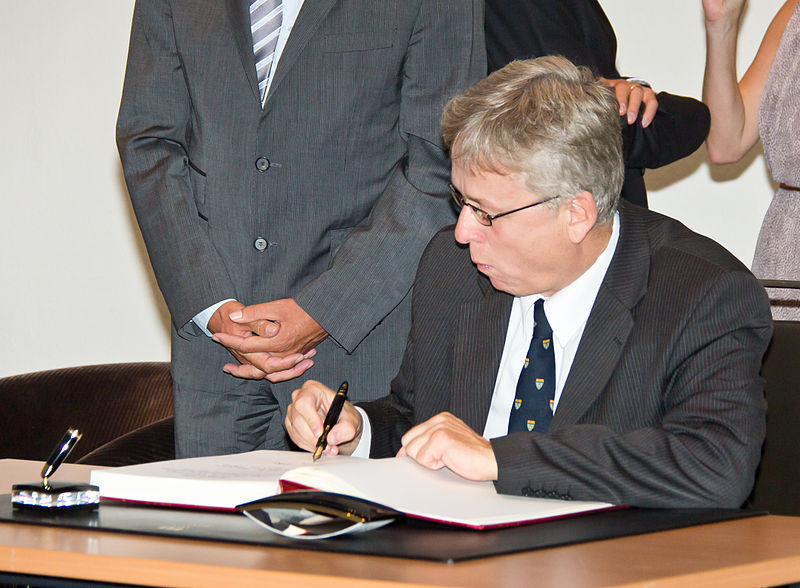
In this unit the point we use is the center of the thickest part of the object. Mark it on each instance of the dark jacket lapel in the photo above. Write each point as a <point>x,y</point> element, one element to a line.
<point>478,347</point>
<point>610,321</point>
<point>308,22</point>
<point>239,15</point>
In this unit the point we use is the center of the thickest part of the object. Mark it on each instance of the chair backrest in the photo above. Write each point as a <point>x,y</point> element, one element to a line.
<point>103,401</point>
<point>153,442</point>
<point>777,487</point>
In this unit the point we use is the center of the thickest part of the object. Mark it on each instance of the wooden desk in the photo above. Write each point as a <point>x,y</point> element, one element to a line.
<point>747,552</point>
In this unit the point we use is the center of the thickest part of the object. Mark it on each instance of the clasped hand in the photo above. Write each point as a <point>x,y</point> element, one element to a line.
<point>441,441</point>
<point>274,340</point>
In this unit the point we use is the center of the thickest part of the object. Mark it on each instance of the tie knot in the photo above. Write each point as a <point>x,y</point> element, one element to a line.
<point>541,328</point>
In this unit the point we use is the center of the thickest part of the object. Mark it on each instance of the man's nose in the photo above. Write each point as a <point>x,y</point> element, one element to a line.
<point>467,226</point>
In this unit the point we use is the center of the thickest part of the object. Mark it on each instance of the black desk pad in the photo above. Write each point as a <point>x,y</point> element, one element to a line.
<point>407,538</point>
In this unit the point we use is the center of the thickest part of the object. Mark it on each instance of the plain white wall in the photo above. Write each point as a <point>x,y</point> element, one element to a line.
<point>77,287</point>
<point>76,284</point>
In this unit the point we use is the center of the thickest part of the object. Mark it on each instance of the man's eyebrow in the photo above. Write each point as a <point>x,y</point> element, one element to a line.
<point>480,203</point>
<point>470,199</point>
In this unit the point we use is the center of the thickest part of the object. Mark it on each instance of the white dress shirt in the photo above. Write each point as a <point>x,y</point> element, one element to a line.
<point>567,312</point>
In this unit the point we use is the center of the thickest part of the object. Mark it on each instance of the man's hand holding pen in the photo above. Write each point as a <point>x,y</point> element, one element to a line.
<point>441,441</point>
<point>305,419</point>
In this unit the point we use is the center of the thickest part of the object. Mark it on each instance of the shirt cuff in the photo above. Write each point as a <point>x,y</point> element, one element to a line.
<point>363,447</point>
<point>201,318</point>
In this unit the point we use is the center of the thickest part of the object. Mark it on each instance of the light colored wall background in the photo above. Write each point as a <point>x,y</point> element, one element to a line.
<point>664,42</point>
<point>75,284</point>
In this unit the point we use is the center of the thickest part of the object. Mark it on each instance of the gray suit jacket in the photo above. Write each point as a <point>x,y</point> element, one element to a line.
<point>342,174</point>
<point>663,405</point>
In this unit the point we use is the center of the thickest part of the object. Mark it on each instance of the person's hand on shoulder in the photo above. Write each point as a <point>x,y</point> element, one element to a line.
<point>631,95</point>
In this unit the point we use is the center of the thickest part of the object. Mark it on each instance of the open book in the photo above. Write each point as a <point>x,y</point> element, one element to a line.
<point>398,483</point>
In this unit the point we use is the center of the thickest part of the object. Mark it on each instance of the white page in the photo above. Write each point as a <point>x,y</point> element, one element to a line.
<point>222,481</point>
<point>441,495</point>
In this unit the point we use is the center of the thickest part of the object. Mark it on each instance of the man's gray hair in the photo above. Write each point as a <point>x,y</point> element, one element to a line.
<point>547,120</point>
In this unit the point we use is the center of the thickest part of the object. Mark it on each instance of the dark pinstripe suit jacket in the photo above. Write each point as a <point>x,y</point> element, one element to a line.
<point>663,405</point>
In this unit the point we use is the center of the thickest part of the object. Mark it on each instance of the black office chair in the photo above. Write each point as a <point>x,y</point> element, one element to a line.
<point>777,487</point>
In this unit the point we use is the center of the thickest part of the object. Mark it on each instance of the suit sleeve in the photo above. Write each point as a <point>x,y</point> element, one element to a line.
<point>391,416</point>
<point>152,129</point>
<point>703,452</point>
<point>374,268</point>
<point>678,129</point>
<point>428,354</point>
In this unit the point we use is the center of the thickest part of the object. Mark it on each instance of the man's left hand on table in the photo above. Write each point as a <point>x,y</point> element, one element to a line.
<point>446,441</point>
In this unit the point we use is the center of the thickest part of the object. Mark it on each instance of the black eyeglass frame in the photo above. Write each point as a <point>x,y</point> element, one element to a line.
<point>481,215</point>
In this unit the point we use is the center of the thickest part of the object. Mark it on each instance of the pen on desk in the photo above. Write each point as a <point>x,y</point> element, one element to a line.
<point>59,454</point>
<point>331,419</point>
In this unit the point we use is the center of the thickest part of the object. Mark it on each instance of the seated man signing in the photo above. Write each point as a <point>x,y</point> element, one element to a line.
<point>562,344</point>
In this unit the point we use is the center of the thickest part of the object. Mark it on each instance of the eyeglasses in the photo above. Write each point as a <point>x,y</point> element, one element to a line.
<point>484,217</point>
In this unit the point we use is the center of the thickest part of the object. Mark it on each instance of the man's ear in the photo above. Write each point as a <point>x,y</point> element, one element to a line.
<point>582,216</point>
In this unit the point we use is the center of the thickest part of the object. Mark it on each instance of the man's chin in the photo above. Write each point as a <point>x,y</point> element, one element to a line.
<point>501,286</point>
<point>496,283</point>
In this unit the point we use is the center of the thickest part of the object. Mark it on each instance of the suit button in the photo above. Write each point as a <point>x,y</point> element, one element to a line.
<point>260,244</point>
<point>262,164</point>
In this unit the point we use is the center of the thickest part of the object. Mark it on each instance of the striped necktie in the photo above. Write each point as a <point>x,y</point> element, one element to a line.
<point>266,17</point>
<point>533,402</point>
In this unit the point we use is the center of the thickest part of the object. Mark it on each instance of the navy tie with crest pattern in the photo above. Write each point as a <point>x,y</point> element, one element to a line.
<point>532,409</point>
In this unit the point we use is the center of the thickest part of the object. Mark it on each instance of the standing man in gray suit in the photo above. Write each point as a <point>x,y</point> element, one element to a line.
<point>288,154</point>
<point>598,352</point>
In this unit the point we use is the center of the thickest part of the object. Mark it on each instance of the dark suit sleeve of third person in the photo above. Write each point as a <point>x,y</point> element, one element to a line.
<point>678,129</point>
<point>374,268</point>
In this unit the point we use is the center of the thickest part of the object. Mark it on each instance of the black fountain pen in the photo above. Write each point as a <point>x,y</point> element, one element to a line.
<point>331,419</point>
<point>59,454</point>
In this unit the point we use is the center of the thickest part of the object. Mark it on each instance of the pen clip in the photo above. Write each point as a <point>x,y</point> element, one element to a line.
<point>59,454</point>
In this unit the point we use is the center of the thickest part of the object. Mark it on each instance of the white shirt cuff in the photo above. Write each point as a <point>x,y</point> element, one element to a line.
<point>364,444</point>
<point>201,318</point>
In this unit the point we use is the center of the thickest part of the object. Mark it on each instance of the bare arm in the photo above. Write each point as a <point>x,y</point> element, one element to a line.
<point>734,106</point>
